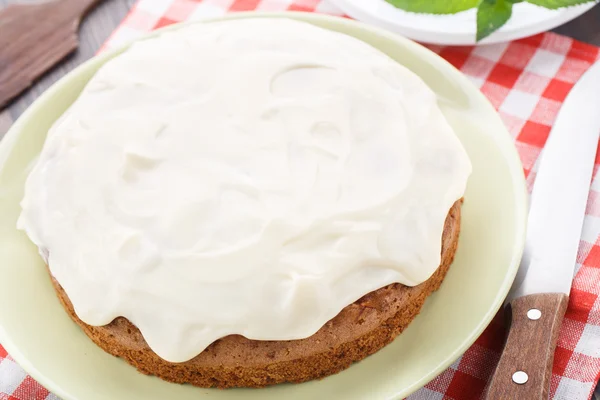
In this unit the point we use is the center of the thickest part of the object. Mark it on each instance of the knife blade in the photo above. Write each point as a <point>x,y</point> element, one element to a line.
<point>539,296</point>
<point>560,193</point>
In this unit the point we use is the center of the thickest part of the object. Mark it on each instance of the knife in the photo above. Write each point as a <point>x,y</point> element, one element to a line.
<point>539,296</point>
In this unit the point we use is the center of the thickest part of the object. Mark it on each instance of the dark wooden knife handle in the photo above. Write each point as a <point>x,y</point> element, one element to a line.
<point>535,322</point>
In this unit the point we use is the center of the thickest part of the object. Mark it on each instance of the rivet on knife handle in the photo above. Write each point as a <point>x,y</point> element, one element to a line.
<point>525,368</point>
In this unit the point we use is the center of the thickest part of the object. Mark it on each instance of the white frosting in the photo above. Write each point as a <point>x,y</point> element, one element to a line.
<point>247,177</point>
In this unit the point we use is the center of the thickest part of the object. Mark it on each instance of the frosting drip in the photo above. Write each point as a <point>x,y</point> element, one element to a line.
<point>247,177</point>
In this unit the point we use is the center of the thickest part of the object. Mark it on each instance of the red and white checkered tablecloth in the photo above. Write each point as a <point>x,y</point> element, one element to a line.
<point>527,81</point>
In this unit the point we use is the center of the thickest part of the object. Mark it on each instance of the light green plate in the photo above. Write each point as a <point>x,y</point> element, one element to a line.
<point>37,332</point>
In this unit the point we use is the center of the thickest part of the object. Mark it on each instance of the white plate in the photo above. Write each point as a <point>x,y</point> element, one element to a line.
<point>39,335</point>
<point>457,29</point>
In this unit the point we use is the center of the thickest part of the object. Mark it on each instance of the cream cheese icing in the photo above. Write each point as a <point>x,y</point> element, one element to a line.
<point>248,177</point>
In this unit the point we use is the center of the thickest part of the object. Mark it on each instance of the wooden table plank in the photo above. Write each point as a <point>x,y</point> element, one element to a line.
<point>586,28</point>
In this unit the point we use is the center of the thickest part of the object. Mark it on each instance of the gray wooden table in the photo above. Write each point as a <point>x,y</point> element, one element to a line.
<point>104,19</point>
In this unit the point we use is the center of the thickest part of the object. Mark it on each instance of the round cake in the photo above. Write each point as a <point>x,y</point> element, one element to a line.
<point>247,202</point>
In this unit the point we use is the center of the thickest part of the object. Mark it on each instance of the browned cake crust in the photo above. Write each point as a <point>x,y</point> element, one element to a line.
<point>360,329</point>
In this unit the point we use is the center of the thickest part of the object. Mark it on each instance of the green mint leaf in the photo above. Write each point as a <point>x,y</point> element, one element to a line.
<point>434,6</point>
<point>491,15</point>
<point>554,4</point>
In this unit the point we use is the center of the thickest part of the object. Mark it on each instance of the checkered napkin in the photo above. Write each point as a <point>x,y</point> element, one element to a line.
<point>527,81</point>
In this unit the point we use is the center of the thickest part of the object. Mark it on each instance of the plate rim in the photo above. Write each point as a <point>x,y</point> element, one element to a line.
<point>504,143</point>
<point>460,39</point>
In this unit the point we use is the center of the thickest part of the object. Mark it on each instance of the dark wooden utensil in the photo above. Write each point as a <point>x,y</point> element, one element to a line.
<point>535,324</point>
<point>33,38</point>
